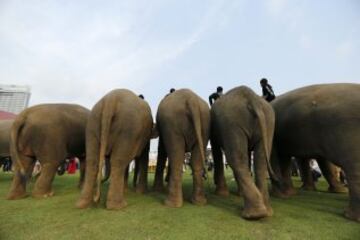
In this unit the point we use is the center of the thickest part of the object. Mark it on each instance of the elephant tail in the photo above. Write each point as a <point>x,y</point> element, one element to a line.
<point>16,128</point>
<point>196,119</point>
<point>266,138</point>
<point>106,118</point>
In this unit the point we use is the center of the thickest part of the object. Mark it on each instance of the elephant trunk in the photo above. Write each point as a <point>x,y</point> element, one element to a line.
<point>105,123</point>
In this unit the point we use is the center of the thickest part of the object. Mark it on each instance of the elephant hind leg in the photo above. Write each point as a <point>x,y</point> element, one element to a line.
<point>91,170</point>
<point>18,185</point>
<point>43,183</point>
<point>254,207</point>
<point>143,162</point>
<point>353,175</point>
<point>219,176</point>
<point>119,161</point>
<point>306,175</point>
<point>261,175</point>
<point>288,187</point>
<point>115,197</point>
<point>176,160</point>
<point>198,196</point>
<point>330,173</point>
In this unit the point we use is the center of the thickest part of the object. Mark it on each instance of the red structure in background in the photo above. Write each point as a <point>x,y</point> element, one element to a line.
<point>72,166</point>
<point>7,115</point>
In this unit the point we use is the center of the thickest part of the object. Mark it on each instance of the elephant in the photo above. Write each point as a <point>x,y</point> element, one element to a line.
<point>49,133</point>
<point>241,122</point>
<point>5,126</point>
<point>328,170</point>
<point>119,128</point>
<point>322,122</point>
<point>183,124</point>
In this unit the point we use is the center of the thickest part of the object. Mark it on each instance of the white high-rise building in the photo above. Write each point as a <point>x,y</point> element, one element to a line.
<point>14,98</point>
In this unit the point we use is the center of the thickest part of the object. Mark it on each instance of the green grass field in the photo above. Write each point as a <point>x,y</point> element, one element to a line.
<point>309,215</point>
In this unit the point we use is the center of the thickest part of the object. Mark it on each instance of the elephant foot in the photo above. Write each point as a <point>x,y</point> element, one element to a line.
<point>16,195</point>
<point>255,213</point>
<point>115,205</point>
<point>222,191</point>
<point>173,203</point>
<point>83,203</point>
<point>308,187</point>
<point>43,195</point>
<point>199,200</point>
<point>338,189</point>
<point>352,214</point>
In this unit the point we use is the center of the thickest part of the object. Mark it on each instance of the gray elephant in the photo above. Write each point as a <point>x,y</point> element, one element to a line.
<point>242,121</point>
<point>321,122</point>
<point>5,127</point>
<point>49,133</point>
<point>183,123</point>
<point>119,128</point>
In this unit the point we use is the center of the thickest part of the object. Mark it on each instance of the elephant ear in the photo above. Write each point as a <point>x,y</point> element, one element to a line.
<point>154,132</point>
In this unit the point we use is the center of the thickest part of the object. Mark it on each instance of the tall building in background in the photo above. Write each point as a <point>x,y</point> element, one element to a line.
<point>14,98</point>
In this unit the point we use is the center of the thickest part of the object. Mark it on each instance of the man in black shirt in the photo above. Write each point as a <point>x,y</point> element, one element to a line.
<point>268,93</point>
<point>213,97</point>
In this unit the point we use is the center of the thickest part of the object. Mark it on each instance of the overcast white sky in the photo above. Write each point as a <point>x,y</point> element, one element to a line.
<point>77,51</point>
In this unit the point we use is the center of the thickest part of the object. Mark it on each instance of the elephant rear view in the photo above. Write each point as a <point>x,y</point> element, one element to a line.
<point>49,133</point>
<point>183,121</point>
<point>242,121</point>
<point>119,127</point>
<point>322,122</point>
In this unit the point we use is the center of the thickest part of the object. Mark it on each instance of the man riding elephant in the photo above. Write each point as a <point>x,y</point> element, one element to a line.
<point>49,133</point>
<point>322,122</point>
<point>241,122</point>
<point>119,128</point>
